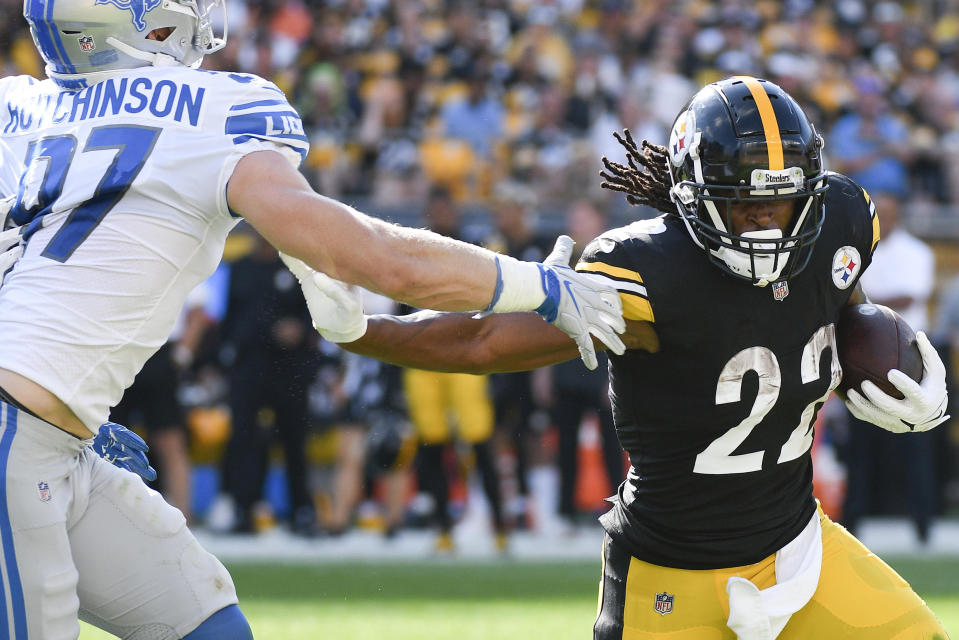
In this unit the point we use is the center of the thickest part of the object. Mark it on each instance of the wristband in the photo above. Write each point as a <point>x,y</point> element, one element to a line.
<point>519,286</point>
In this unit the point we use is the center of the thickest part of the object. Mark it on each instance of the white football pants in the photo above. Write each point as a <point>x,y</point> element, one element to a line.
<point>80,538</point>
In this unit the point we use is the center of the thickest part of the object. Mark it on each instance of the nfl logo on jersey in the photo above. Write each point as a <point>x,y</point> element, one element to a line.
<point>86,43</point>
<point>664,603</point>
<point>780,290</point>
<point>44,489</point>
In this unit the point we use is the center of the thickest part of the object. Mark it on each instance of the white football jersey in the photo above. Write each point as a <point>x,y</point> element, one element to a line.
<point>123,196</point>
<point>10,170</point>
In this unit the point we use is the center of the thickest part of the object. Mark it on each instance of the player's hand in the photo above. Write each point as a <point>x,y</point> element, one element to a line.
<point>580,304</point>
<point>336,310</point>
<point>122,448</point>
<point>924,404</point>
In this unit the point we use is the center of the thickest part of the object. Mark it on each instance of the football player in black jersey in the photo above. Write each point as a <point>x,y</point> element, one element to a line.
<point>733,295</point>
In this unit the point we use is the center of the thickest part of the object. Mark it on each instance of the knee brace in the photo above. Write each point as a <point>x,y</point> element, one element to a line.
<point>228,622</point>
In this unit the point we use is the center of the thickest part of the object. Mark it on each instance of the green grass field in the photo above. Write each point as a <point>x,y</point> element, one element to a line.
<point>465,601</point>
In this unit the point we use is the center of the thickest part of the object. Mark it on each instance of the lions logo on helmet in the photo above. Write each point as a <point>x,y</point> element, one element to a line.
<point>112,35</point>
<point>138,8</point>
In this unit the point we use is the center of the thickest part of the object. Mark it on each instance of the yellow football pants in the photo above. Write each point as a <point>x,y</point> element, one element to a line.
<point>859,597</point>
<point>434,399</point>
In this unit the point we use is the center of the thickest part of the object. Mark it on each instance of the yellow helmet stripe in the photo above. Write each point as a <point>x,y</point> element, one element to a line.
<point>774,144</point>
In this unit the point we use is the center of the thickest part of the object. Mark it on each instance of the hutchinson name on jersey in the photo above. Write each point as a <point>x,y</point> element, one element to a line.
<point>123,202</point>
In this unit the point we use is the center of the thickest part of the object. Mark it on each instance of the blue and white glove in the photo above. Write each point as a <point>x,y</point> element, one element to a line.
<point>924,404</point>
<point>581,304</point>
<point>122,448</point>
<point>336,309</point>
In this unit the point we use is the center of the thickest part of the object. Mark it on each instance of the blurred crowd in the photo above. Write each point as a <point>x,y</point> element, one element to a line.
<point>399,95</point>
<point>486,120</point>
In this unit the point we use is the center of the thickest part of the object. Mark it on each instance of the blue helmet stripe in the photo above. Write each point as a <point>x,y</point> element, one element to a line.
<point>64,60</point>
<point>40,13</point>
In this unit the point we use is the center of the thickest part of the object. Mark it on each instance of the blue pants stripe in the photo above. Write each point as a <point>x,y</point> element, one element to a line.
<point>6,533</point>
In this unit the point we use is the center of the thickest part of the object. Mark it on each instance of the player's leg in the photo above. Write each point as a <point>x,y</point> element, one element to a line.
<point>642,600</point>
<point>348,477</point>
<point>474,417</point>
<point>164,419</point>
<point>470,401</point>
<point>567,415</point>
<point>860,597</point>
<point>38,579</point>
<point>291,406</point>
<point>142,572</point>
<point>245,458</point>
<point>427,400</point>
<point>228,622</point>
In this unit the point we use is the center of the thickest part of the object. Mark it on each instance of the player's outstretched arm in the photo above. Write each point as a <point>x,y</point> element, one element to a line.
<point>454,342</point>
<point>460,342</point>
<point>416,266</point>
<point>412,265</point>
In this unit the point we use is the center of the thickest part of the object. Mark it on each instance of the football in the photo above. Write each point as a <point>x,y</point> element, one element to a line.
<point>872,339</point>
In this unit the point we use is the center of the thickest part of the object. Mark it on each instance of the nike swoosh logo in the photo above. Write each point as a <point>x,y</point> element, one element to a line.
<point>569,290</point>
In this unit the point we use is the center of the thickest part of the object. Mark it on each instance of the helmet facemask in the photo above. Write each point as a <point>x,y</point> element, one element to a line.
<point>743,141</point>
<point>758,256</point>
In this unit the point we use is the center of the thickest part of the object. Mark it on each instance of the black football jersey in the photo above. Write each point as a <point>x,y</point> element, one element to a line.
<point>718,422</point>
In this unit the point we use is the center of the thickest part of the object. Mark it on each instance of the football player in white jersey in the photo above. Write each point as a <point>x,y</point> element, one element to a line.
<point>136,165</point>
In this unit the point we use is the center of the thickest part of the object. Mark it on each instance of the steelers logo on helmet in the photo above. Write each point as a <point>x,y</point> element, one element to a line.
<point>752,144</point>
<point>682,137</point>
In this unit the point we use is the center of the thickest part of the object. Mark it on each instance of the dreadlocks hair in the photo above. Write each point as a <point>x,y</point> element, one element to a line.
<point>645,180</point>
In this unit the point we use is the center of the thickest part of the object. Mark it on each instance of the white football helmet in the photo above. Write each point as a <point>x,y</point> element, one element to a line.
<point>85,40</point>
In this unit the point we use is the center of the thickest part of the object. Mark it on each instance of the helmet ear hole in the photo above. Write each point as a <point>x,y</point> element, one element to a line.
<point>160,33</point>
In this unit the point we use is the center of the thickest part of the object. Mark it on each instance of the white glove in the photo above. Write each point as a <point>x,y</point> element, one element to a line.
<point>924,405</point>
<point>581,304</point>
<point>336,310</point>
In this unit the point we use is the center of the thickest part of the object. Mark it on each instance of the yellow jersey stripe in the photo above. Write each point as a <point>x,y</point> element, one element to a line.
<point>774,144</point>
<point>875,218</point>
<point>610,270</point>
<point>636,307</point>
<point>875,227</point>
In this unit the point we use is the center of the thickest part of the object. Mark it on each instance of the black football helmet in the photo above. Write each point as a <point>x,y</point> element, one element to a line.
<point>746,140</point>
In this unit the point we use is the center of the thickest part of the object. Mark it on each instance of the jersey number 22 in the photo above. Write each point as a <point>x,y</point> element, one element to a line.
<point>718,457</point>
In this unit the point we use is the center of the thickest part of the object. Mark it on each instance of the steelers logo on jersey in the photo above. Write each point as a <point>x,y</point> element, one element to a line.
<point>846,263</point>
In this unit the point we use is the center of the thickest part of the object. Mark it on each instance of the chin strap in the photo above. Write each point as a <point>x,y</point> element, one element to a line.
<point>155,59</point>
<point>82,80</point>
